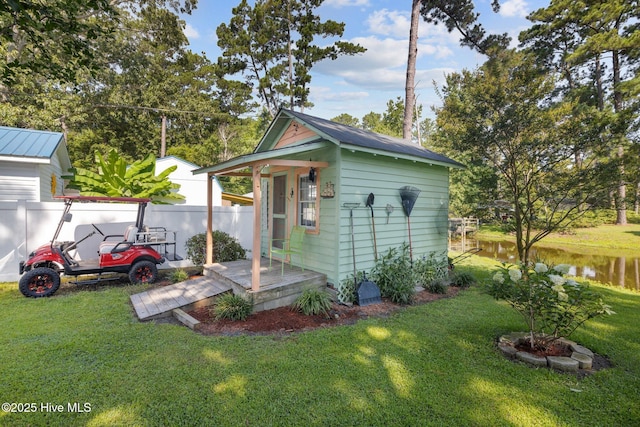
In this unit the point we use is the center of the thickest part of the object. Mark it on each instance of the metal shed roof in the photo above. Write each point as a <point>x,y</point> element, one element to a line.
<point>347,135</point>
<point>16,142</point>
<point>329,132</point>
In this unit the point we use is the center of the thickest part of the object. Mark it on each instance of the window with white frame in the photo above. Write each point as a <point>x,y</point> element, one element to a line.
<point>307,193</point>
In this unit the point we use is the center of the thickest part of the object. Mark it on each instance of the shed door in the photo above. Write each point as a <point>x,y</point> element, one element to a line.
<point>279,217</point>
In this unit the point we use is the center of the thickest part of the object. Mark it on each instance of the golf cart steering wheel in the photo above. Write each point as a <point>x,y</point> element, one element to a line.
<point>97,229</point>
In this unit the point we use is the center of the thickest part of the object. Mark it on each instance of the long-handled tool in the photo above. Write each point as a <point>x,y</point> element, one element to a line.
<point>408,195</point>
<point>366,291</point>
<point>373,223</point>
<point>351,207</point>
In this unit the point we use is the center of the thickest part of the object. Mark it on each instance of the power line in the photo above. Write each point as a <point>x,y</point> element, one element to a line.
<point>154,109</point>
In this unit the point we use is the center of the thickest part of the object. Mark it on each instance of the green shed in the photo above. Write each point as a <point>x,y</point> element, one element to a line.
<point>307,170</point>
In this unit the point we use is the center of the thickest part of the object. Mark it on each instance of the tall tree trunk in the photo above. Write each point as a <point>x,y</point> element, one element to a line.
<point>621,202</point>
<point>598,79</point>
<point>409,98</point>
<point>290,53</point>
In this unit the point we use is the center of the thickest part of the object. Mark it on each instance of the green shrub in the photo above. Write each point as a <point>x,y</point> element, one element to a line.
<point>178,275</point>
<point>313,301</point>
<point>462,279</point>
<point>225,248</point>
<point>594,218</point>
<point>232,307</point>
<point>551,305</point>
<point>394,276</point>
<point>431,268</point>
<point>437,286</point>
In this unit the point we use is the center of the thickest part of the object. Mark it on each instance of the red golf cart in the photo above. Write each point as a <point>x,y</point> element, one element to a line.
<point>135,252</point>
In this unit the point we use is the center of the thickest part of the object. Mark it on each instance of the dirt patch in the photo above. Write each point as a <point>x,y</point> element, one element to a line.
<point>555,349</point>
<point>284,320</point>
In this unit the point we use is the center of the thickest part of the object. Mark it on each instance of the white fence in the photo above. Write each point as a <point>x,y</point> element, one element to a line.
<point>24,226</point>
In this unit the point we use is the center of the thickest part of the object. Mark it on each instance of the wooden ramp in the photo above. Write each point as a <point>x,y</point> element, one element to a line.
<point>160,302</point>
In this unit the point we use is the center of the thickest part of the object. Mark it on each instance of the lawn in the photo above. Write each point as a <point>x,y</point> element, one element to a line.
<point>433,364</point>
<point>604,236</point>
<point>624,239</point>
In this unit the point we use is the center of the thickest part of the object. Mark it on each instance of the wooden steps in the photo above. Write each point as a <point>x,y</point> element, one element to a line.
<point>276,289</point>
<point>187,295</point>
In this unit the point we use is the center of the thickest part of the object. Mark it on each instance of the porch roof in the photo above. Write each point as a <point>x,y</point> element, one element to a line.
<point>242,162</point>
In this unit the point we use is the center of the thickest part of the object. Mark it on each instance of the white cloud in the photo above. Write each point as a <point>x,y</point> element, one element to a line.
<point>345,3</point>
<point>439,51</point>
<point>321,94</point>
<point>382,66</point>
<point>397,24</point>
<point>389,23</point>
<point>191,32</point>
<point>511,8</point>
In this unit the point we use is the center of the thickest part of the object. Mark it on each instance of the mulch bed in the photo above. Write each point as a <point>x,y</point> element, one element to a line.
<point>284,320</point>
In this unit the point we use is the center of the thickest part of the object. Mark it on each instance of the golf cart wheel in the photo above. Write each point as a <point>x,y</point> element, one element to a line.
<point>143,272</point>
<point>39,282</point>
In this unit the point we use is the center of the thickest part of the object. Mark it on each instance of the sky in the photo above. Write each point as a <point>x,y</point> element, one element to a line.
<point>360,84</point>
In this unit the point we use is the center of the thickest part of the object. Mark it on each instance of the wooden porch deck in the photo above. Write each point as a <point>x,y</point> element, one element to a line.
<point>276,290</point>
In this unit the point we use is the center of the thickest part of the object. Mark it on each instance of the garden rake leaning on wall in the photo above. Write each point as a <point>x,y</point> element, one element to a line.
<point>408,195</point>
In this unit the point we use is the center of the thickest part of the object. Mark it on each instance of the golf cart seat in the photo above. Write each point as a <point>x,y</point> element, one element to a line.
<point>128,238</point>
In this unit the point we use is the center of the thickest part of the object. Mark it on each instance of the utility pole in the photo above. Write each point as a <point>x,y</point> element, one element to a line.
<point>163,136</point>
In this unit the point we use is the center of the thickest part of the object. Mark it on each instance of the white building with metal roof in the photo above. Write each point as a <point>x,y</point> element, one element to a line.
<point>32,163</point>
<point>192,187</point>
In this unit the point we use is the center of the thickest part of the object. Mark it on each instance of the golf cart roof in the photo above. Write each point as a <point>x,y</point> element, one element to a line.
<point>104,199</point>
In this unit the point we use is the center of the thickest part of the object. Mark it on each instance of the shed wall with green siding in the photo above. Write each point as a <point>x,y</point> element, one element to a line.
<point>363,173</point>
<point>355,175</point>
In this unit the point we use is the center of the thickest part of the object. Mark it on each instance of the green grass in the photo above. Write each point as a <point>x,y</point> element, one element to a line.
<point>433,364</point>
<point>625,240</point>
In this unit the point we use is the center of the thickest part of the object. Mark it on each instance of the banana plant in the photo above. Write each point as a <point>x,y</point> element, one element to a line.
<point>117,179</point>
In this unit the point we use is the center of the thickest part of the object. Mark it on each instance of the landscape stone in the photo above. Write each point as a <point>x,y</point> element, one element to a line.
<point>531,359</point>
<point>507,350</point>
<point>585,361</point>
<point>581,357</point>
<point>580,349</point>
<point>565,364</point>
<point>566,341</point>
<point>512,338</point>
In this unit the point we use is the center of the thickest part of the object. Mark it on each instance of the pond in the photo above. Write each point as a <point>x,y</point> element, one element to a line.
<point>608,268</point>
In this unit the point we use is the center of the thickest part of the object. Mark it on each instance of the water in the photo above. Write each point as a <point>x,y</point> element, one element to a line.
<point>607,268</point>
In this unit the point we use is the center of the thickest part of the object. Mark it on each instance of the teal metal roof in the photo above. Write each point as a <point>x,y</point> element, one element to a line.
<point>16,142</point>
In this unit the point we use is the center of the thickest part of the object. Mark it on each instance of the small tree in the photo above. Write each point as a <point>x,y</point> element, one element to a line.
<point>551,305</point>
<point>505,116</point>
<point>116,179</point>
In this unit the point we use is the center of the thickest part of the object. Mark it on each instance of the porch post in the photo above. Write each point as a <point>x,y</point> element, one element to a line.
<point>255,254</point>
<point>209,257</point>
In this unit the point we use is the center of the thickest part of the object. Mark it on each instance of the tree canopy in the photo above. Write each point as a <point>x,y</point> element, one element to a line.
<point>272,46</point>
<point>505,115</point>
<point>592,48</point>
<point>54,39</point>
